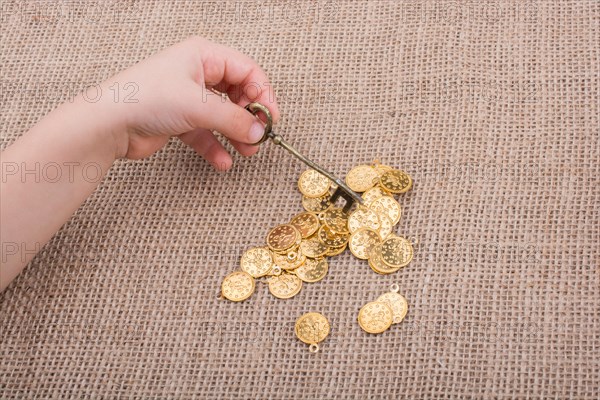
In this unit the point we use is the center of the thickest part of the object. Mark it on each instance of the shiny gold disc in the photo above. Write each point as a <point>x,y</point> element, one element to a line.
<point>386,226</point>
<point>362,241</point>
<point>362,178</point>
<point>238,286</point>
<point>396,181</point>
<point>285,285</point>
<point>336,219</point>
<point>256,261</point>
<point>313,247</point>
<point>289,261</point>
<point>363,218</point>
<point>381,169</point>
<point>387,205</point>
<point>330,238</point>
<point>377,265</point>
<point>396,251</point>
<point>307,224</point>
<point>373,194</point>
<point>312,328</point>
<point>397,303</point>
<point>313,184</point>
<point>283,237</point>
<point>312,270</point>
<point>317,204</point>
<point>375,317</point>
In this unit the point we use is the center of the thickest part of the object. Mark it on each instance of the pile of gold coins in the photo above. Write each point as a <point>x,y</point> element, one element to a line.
<point>297,252</point>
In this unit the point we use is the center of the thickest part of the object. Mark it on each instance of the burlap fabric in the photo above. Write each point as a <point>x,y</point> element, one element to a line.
<point>492,107</point>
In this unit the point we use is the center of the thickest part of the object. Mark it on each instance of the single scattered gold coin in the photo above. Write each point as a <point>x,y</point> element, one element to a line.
<point>285,285</point>
<point>386,226</point>
<point>363,218</point>
<point>336,220</point>
<point>289,261</point>
<point>331,239</point>
<point>362,241</point>
<point>312,270</point>
<point>317,204</point>
<point>362,178</point>
<point>313,184</point>
<point>377,265</point>
<point>313,247</point>
<point>397,303</point>
<point>387,205</point>
<point>307,224</point>
<point>256,261</point>
<point>375,317</point>
<point>238,286</point>
<point>283,237</point>
<point>396,251</point>
<point>312,328</point>
<point>396,181</point>
<point>373,194</point>
<point>334,251</point>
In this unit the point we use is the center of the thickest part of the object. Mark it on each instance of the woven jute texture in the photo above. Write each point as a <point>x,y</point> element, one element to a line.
<point>492,107</point>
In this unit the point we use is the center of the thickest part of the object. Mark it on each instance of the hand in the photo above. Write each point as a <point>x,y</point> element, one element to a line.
<point>175,97</point>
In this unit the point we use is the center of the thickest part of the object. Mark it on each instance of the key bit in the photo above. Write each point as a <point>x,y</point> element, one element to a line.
<point>343,191</point>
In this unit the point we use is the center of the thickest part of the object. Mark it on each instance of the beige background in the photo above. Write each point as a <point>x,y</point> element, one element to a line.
<point>493,109</point>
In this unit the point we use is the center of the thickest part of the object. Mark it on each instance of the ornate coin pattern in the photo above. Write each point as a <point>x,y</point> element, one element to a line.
<point>388,206</point>
<point>307,224</point>
<point>330,238</point>
<point>396,181</point>
<point>317,204</point>
<point>363,218</point>
<point>313,184</point>
<point>362,178</point>
<point>312,270</point>
<point>285,286</point>
<point>377,265</point>
<point>312,328</point>
<point>396,251</point>
<point>257,262</point>
<point>336,220</point>
<point>397,303</point>
<point>283,237</point>
<point>385,226</point>
<point>313,247</point>
<point>289,261</point>
<point>238,286</point>
<point>373,194</point>
<point>375,317</point>
<point>362,242</point>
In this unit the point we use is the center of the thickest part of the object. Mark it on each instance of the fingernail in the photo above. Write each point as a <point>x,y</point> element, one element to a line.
<point>256,132</point>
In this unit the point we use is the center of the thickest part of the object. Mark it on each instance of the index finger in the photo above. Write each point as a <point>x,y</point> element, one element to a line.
<point>236,74</point>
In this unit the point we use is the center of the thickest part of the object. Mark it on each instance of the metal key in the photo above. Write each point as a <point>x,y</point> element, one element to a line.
<point>342,189</point>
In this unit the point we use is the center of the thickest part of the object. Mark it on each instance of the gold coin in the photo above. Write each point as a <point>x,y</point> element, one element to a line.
<point>396,251</point>
<point>238,286</point>
<point>317,204</point>
<point>312,270</point>
<point>386,226</point>
<point>285,285</point>
<point>289,261</point>
<point>375,317</point>
<point>330,238</point>
<point>312,328</point>
<point>313,184</point>
<point>336,219</point>
<point>283,237</point>
<point>256,261</point>
<point>397,303</point>
<point>307,224</point>
<point>363,218</point>
<point>362,178</point>
<point>362,241</point>
<point>313,247</point>
<point>373,194</point>
<point>377,265</point>
<point>334,251</point>
<point>387,205</point>
<point>396,181</point>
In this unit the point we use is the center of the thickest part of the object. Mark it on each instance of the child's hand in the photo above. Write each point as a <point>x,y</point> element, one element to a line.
<point>174,99</point>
